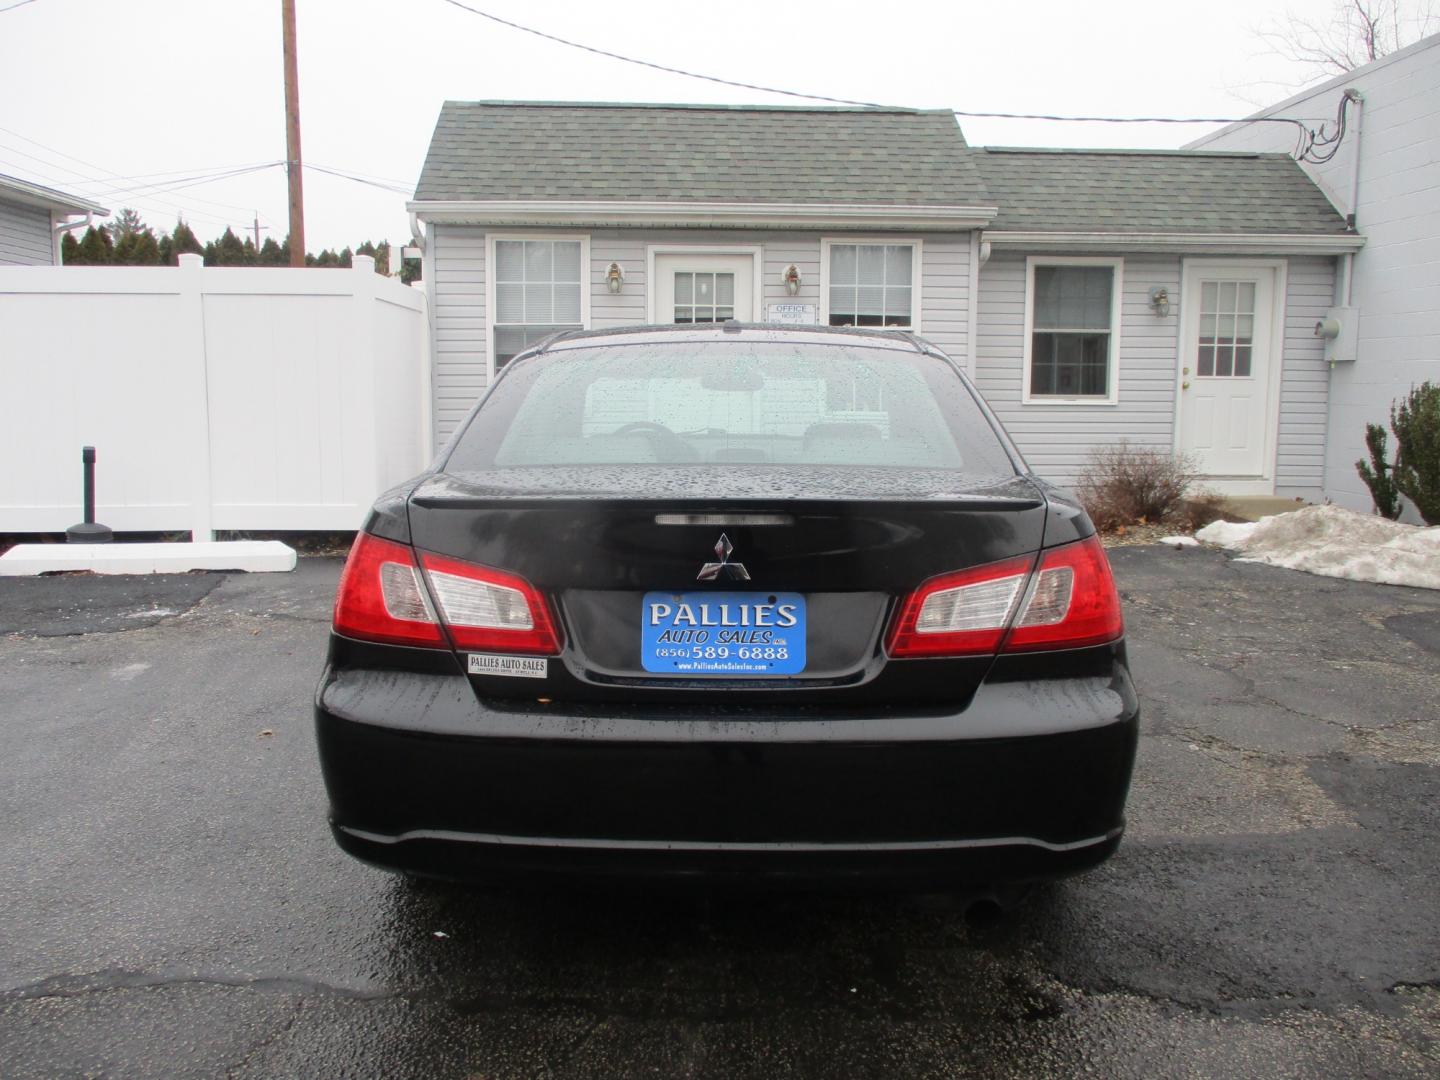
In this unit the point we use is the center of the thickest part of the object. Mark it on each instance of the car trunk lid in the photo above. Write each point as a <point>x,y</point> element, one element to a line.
<point>606,546</point>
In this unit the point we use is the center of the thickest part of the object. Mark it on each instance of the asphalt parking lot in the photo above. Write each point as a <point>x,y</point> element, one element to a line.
<point>171,904</point>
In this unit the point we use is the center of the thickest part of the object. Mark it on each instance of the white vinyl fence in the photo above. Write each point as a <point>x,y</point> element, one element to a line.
<point>216,397</point>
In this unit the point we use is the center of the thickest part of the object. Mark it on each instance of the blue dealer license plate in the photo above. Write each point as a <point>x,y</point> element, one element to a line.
<point>752,634</point>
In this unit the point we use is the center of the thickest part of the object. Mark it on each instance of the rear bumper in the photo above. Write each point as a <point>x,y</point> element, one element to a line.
<point>1028,783</point>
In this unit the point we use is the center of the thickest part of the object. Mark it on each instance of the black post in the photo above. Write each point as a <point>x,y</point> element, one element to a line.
<point>87,532</point>
<point>87,457</point>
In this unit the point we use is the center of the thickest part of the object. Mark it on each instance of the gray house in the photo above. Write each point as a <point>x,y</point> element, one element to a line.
<point>1167,298</point>
<point>33,219</point>
<point>1387,173</point>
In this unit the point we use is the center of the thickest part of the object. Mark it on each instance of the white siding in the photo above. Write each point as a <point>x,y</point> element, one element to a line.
<point>1057,439</point>
<point>1304,380</point>
<point>1397,273</point>
<point>458,253</point>
<point>25,238</point>
<point>458,293</point>
<point>945,307</point>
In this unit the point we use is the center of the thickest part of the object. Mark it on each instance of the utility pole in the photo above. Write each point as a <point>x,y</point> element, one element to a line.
<point>256,226</point>
<point>292,137</point>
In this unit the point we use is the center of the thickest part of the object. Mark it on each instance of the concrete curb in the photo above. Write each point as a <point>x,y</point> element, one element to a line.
<point>254,556</point>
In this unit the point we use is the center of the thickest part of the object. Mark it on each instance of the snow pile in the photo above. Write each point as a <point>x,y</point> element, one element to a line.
<point>1334,542</point>
<point>1179,541</point>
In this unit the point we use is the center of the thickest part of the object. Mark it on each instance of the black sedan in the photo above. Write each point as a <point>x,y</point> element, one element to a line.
<point>736,601</point>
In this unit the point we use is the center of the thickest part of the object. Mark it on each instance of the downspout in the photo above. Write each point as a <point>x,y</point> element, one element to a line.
<point>1352,218</point>
<point>428,287</point>
<point>979,255</point>
<point>1345,277</point>
<point>69,226</point>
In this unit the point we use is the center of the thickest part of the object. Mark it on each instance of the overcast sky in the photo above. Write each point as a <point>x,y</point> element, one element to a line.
<point>163,91</point>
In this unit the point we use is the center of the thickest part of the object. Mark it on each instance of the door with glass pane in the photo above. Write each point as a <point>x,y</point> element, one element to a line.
<point>703,288</point>
<point>1225,407</point>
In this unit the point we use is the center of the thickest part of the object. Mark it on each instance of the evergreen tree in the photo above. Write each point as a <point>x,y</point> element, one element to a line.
<point>137,248</point>
<point>69,249</point>
<point>272,254</point>
<point>226,251</point>
<point>347,258</point>
<point>183,241</point>
<point>95,249</point>
<point>252,257</point>
<point>124,225</point>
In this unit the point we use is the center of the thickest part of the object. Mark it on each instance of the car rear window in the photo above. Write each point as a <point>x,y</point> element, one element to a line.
<point>676,403</point>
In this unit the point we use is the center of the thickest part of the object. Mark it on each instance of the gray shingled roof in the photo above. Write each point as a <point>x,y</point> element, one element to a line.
<point>1178,191</point>
<point>488,150</point>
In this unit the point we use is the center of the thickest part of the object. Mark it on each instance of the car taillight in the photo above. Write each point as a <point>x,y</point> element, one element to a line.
<point>489,609</point>
<point>382,598</point>
<point>960,614</point>
<point>1072,602</point>
<point>1069,601</point>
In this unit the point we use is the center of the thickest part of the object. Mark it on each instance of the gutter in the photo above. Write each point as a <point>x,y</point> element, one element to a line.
<point>1186,243</point>
<point>670,214</point>
<point>70,226</point>
<point>57,234</point>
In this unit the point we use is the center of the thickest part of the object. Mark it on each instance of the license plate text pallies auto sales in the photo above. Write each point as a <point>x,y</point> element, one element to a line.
<point>751,634</point>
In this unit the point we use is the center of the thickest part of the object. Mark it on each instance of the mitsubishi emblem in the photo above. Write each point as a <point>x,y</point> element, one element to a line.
<point>712,570</point>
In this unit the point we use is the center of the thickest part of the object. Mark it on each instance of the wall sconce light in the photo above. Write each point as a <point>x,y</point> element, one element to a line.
<point>614,277</point>
<point>1160,300</point>
<point>791,278</point>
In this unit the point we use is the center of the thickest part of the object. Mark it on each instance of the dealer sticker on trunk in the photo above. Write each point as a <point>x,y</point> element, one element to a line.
<point>526,667</point>
<point>752,634</point>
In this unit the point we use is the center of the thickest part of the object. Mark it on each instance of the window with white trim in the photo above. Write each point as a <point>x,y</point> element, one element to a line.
<point>537,292</point>
<point>1073,314</point>
<point>872,284</point>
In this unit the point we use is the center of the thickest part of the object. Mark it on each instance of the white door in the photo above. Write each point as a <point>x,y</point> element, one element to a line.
<point>1225,411</point>
<point>704,288</point>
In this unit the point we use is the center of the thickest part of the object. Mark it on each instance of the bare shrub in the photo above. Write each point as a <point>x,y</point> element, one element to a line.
<point>1134,485</point>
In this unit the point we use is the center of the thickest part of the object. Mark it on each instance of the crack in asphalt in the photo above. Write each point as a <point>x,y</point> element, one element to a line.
<point>270,1039</point>
<point>142,624</point>
<point>111,979</point>
<point>1045,996</point>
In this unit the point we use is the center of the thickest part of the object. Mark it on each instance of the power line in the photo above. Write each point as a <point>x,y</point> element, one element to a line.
<point>407,185</point>
<point>848,101</point>
<point>156,209</point>
<point>396,188</point>
<point>654,66</point>
<point>107,173</point>
<point>166,172</point>
<point>12,7</point>
<point>159,207</point>
<point>193,181</point>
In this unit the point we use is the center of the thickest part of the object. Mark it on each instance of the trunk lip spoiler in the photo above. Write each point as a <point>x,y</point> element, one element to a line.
<point>740,507</point>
